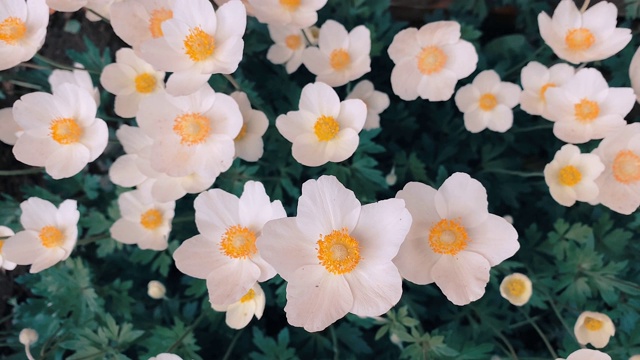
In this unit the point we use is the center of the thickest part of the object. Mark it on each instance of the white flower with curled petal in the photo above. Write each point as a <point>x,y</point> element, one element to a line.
<point>594,328</point>
<point>571,176</point>
<point>5,233</point>
<point>240,313</point>
<point>298,13</point>
<point>61,131</point>
<point>49,234</point>
<point>487,103</point>
<point>516,288</point>
<point>198,41</point>
<point>634,73</point>
<point>588,354</point>
<point>324,129</point>
<point>23,26</point>
<point>136,21</point>
<point>582,37</point>
<point>376,102</point>
<point>332,250</point>
<point>78,77</point>
<point>131,79</point>
<point>536,79</point>
<point>586,108</point>
<point>341,56</point>
<point>430,61</point>
<point>225,253</point>
<point>249,144</point>
<point>288,48</point>
<point>9,128</point>
<point>454,240</point>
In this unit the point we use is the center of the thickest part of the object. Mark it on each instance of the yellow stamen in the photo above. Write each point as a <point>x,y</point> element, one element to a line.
<point>448,237</point>
<point>626,167</point>
<point>516,287</point>
<point>193,128</point>
<point>12,30</point>
<point>569,176</point>
<point>431,60</point>
<point>291,5</point>
<point>199,45</point>
<point>158,16</point>
<point>145,83</point>
<point>242,133</point>
<point>1,245</point>
<point>579,39</point>
<point>51,236</point>
<point>151,219</point>
<point>544,89</point>
<point>293,42</point>
<point>593,324</point>
<point>339,59</point>
<point>238,242</point>
<point>250,295</point>
<point>65,131</point>
<point>488,101</point>
<point>338,252</point>
<point>586,111</point>
<point>326,128</point>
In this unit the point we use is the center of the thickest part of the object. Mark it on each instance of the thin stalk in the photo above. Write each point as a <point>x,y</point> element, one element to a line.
<point>559,316</point>
<point>539,331</point>
<point>585,5</point>
<point>507,343</point>
<point>98,15</point>
<point>60,65</point>
<point>227,354</point>
<point>25,84</point>
<point>334,341</point>
<point>176,344</point>
<point>232,81</point>
<point>519,66</point>
<point>92,239</point>
<point>27,350</point>
<point>515,173</point>
<point>533,128</point>
<point>29,171</point>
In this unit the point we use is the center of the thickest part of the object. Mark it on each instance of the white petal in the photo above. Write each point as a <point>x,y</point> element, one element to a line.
<point>462,278</point>
<point>462,197</point>
<point>495,239</point>
<point>376,287</point>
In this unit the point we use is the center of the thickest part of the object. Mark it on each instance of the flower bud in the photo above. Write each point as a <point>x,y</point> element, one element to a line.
<point>28,336</point>
<point>391,178</point>
<point>156,290</point>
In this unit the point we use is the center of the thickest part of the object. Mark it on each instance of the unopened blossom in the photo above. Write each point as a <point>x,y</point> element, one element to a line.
<point>249,144</point>
<point>587,354</point>
<point>619,184</point>
<point>131,79</point>
<point>582,37</point>
<point>5,233</point>
<point>9,128</point>
<point>571,176</point>
<point>324,129</point>
<point>49,234</point>
<point>145,221</point>
<point>516,288</point>
<point>536,79</point>
<point>332,250</point>
<point>454,240</point>
<point>634,73</point>
<point>78,77</point>
<point>487,103</point>
<point>225,252</point>
<point>156,289</point>
<point>594,328</point>
<point>586,108</point>
<point>288,48</point>
<point>429,61</point>
<point>136,21</point>
<point>299,13</point>
<point>61,131</point>
<point>341,56</point>
<point>166,356</point>
<point>23,26</point>
<point>376,102</point>
<point>240,313</point>
<point>197,42</point>
<point>28,337</point>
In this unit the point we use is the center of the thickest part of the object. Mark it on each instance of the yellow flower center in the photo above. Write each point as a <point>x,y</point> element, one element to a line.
<point>586,111</point>
<point>579,39</point>
<point>65,131</point>
<point>626,167</point>
<point>569,175</point>
<point>431,60</point>
<point>145,83</point>
<point>12,30</point>
<point>291,5</point>
<point>151,219</point>
<point>339,59</point>
<point>250,295</point>
<point>592,324</point>
<point>199,45</point>
<point>242,133</point>
<point>293,42</point>
<point>326,128</point>
<point>448,237</point>
<point>338,252</point>
<point>487,102</point>
<point>193,128</point>
<point>516,287</point>
<point>544,89</point>
<point>51,236</point>
<point>238,242</point>
<point>158,16</point>
<point>1,245</point>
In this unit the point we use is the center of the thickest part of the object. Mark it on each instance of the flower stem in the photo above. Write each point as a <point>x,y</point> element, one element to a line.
<point>334,341</point>
<point>176,344</point>
<point>29,171</point>
<point>585,5</point>
<point>227,354</point>
<point>98,15</point>
<point>58,65</point>
<point>515,173</point>
<point>533,128</point>
<point>539,331</point>
<point>232,81</point>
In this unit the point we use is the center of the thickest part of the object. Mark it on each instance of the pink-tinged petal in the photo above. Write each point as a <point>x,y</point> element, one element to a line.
<point>462,278</point>
<point>343,145</point>
<point>495,239</point>
<point>464,198</point>
<point>95,138</point>
<point>68,214</point>
<point>162,56</point>
<point>9,128</point>
<point>254,206</point>
<point>467,98</point>
<point>231,281</point>
<point>232,20</point>
<point>35,110</point>
<point>23,248</point>
<point>501,119</point>
<point>266,270</point>
<point>476,120</point>
<point>304,18</point>
<point>487,81</point>
<point>419,199</point>
<point>567,16</point>
<point>534,75</point>
<point>197,257</point>
<point>618,39</point>
<point>316,298</point>
<point>216,210</point>
<point>416,259</point>
<point>186,83</point>
<point>199,13</point>
<point>118,79</point>
<point>37,213</point>
<point>294,63</point>
<point>124,172</point>
<point>250,148</point>
<point>462,58</point>
<point>509,94</point>
<point>309,151</point>
<point>405,78</point>
<point>279,54</point>
<point>226,116</point>
<point>404,45</point>
<point>295,123</point>
<point>126,106</point>
<point>47,260</point>
<point>34,151</point>
<point>317,62</point>
<point>439,86</point>
<point>166,189</point>
<point>320,99</point>
<point>618,101</point>
<point>353,113</point>
<point>239,314</point>
<point>439,33</point>
<point>376,287</point>
<point>360,41</point>
<point>67,161</point>
<point>571,132</point>
<point>333,35</point>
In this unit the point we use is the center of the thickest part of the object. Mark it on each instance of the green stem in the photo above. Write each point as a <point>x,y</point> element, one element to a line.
<point>227,354</point>
<point>533,128</point>
<point>539,331</point>
<point>519,66</point>
<point>58,65</point>
<point>559,316</point>
<point>334,341</point>
<point>29,171</point>
<point>232,81</point>
<point>92,239</point>
<point>176,344</point>
<point>512,351</point>
<point>26,84</point>
<point>515,173</point>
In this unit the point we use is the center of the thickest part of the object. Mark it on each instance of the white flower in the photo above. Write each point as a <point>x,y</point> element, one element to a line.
<point>516,288</point>
<point>239,314</point>
<point>144,221</point>
<point>166,356</point>
<point>191,134</point>
<point>587,354</point>
<point>49,234</point>
<point>136,21</point>
<point>156,289</point>
<point>9,128</point>
<point>376,102</point>
<point>571,175</point>
<point>594,328</point>
<point>66,5</point>
<point>391,177</point>
<point>131,79</point>
<point>81,78</point>
<point>23,26</point>
<point>333,250</point>
<point>249,145</point>
<point>454,240</point>
<point>299,13</point>
<point>5,232</point>
<point>341,56</point>
<point>225,253</point>
<point>198,41</point>
<point>586,108</point>
<point>61,131</point>
<point>246,4</point>
<point>536,79</point>
<point>288,48</point>
<point>635,357</point>
<point>101,8</point>
<point>634,73</point>
<point>324,129</point>
<point>488,102</point>
<point>430,61</point>
<point>582,37</point>
<point>619,184</point>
